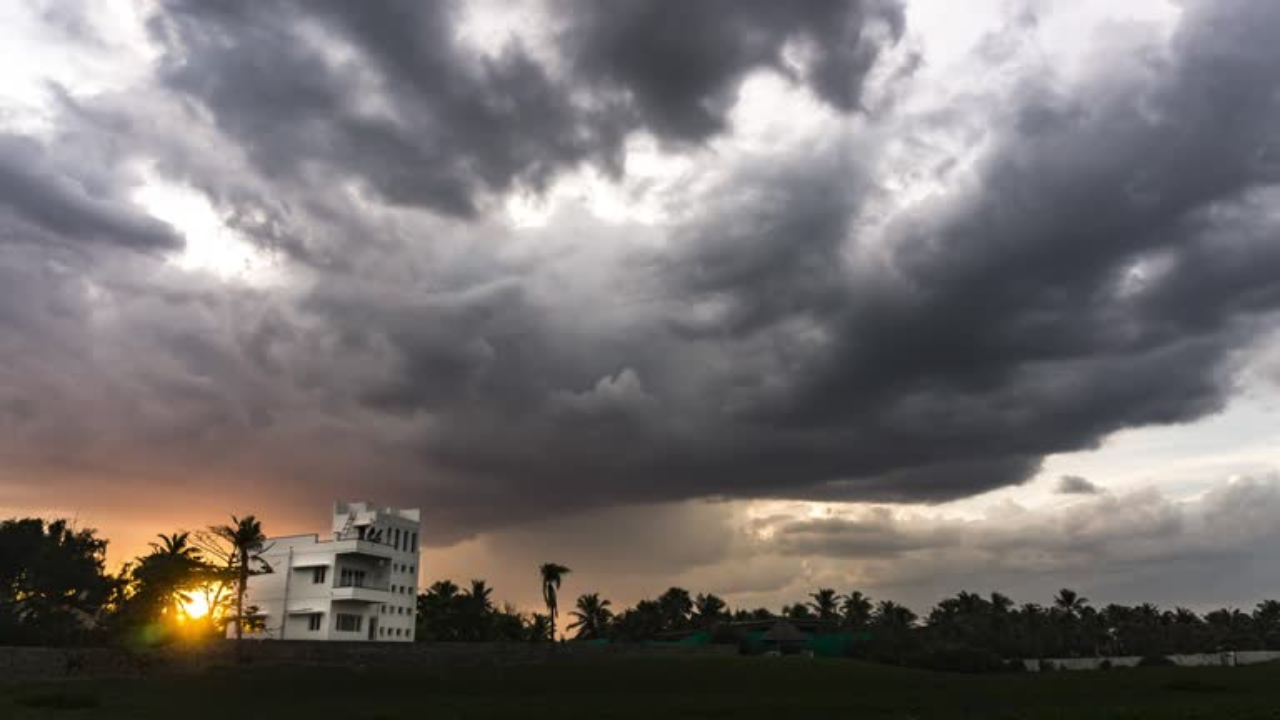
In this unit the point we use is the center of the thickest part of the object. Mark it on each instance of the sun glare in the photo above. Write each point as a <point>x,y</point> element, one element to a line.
<point>196,605</point>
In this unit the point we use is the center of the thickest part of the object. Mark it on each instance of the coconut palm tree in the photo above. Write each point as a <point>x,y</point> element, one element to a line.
<point>170,570</point>
<point>552,575</point>
<point>540,628</point>
<point>246,544</point>
<point>1069,602</point>
<point>476,605</point>
<point>825,604</point>
<point>439,608</point>
<point>856,610</point>
<point>480,597</point>
<point>592,617</point>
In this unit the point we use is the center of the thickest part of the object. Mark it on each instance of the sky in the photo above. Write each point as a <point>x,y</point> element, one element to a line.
<point>904,296</point>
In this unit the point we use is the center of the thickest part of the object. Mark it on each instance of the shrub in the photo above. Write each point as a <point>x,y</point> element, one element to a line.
<point>1156,661</point>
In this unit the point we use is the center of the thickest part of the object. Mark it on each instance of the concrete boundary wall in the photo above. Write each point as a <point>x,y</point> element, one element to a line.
<point>23,663</point>
<point>1222,659</point>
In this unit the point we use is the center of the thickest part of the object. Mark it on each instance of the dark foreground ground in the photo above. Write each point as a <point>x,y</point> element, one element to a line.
<point>777,688</point>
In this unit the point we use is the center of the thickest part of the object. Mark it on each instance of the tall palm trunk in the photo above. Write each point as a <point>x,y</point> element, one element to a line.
<point>242,585</point>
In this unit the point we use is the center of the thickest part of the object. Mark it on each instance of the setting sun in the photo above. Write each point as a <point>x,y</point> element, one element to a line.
<point>198,602</point>
<point>196,606</point>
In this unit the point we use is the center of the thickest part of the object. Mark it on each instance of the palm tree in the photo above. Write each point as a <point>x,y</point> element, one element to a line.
<point>825,603</point>
<point>176,546</point>
<point>540,628</point>
<point>438,610</point>
<point>1069,602</point>
<point>171,568</point>
<point>247,543</point>
<point>591,618</point>
<point>479,596</point>
<point>892,615</point>
<point>552,575</point>
<point>856,610</point>
<point>477,606</point>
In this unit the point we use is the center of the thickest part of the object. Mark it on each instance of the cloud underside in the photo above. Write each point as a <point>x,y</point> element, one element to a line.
<point>1097,254</point>
<point>1135,546</point>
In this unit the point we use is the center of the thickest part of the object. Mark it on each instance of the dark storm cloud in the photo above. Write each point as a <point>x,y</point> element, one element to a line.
<point>1099,269</point>
<point>1076,485</point>
<point>43,199</point>
<point>789,332</point>
<point>425,121</point>
<point>1091,265</point>
<point>679,64</point>
<point>419,119</point>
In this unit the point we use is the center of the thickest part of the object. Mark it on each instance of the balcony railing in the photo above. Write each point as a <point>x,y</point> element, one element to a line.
<point>363,583</point>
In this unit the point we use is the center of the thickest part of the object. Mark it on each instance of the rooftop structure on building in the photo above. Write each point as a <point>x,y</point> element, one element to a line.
<point>359,584</point>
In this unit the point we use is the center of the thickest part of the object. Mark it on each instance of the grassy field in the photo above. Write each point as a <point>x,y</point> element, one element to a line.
<point>651,688</point>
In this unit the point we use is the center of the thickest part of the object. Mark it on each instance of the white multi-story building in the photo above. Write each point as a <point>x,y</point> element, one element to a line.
<point>359,585</point>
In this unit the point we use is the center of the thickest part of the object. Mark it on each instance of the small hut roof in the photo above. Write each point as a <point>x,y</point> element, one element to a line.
<point>783,631</point>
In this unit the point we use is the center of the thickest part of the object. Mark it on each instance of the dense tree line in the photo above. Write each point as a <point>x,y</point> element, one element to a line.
<point>55,590</point>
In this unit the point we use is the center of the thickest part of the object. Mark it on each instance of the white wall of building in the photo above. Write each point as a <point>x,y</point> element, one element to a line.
<point>360,585</point>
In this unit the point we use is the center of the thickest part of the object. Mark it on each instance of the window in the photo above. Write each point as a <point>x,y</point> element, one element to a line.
<point>313,622</point>
<point>351,578</point>
<point>349,623</point>
<point>414,544</point>
<point>318,575</point>
<point>395,537</point>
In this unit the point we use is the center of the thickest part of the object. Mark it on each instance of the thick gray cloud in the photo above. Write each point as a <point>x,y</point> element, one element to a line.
<point>425,121</point>
<point>43,199</point>
<point>678,64</point>
<point>788,330</point>
<point>1092,261</point>
<point>1076,485</point>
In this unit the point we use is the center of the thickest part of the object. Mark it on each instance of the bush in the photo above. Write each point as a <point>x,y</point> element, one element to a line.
<point>1104,665</point>
<point>1156,661</point>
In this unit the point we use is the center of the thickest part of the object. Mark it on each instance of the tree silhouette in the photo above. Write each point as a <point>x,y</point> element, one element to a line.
<point>1069,602</point>
<point>240,546</point>
<point>540,628</point>
<point>825,603</point>
<point>855,610</point>
<point>165,578</point>
<point>591,617</point>
<point>552,575</point>
<point>53,582</point>
<point>677,608</point>
<point>438,612</point>
<point>708,609</point>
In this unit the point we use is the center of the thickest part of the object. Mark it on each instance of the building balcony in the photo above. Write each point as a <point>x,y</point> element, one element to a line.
<point>361,547</point>
<point>362,593</point>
